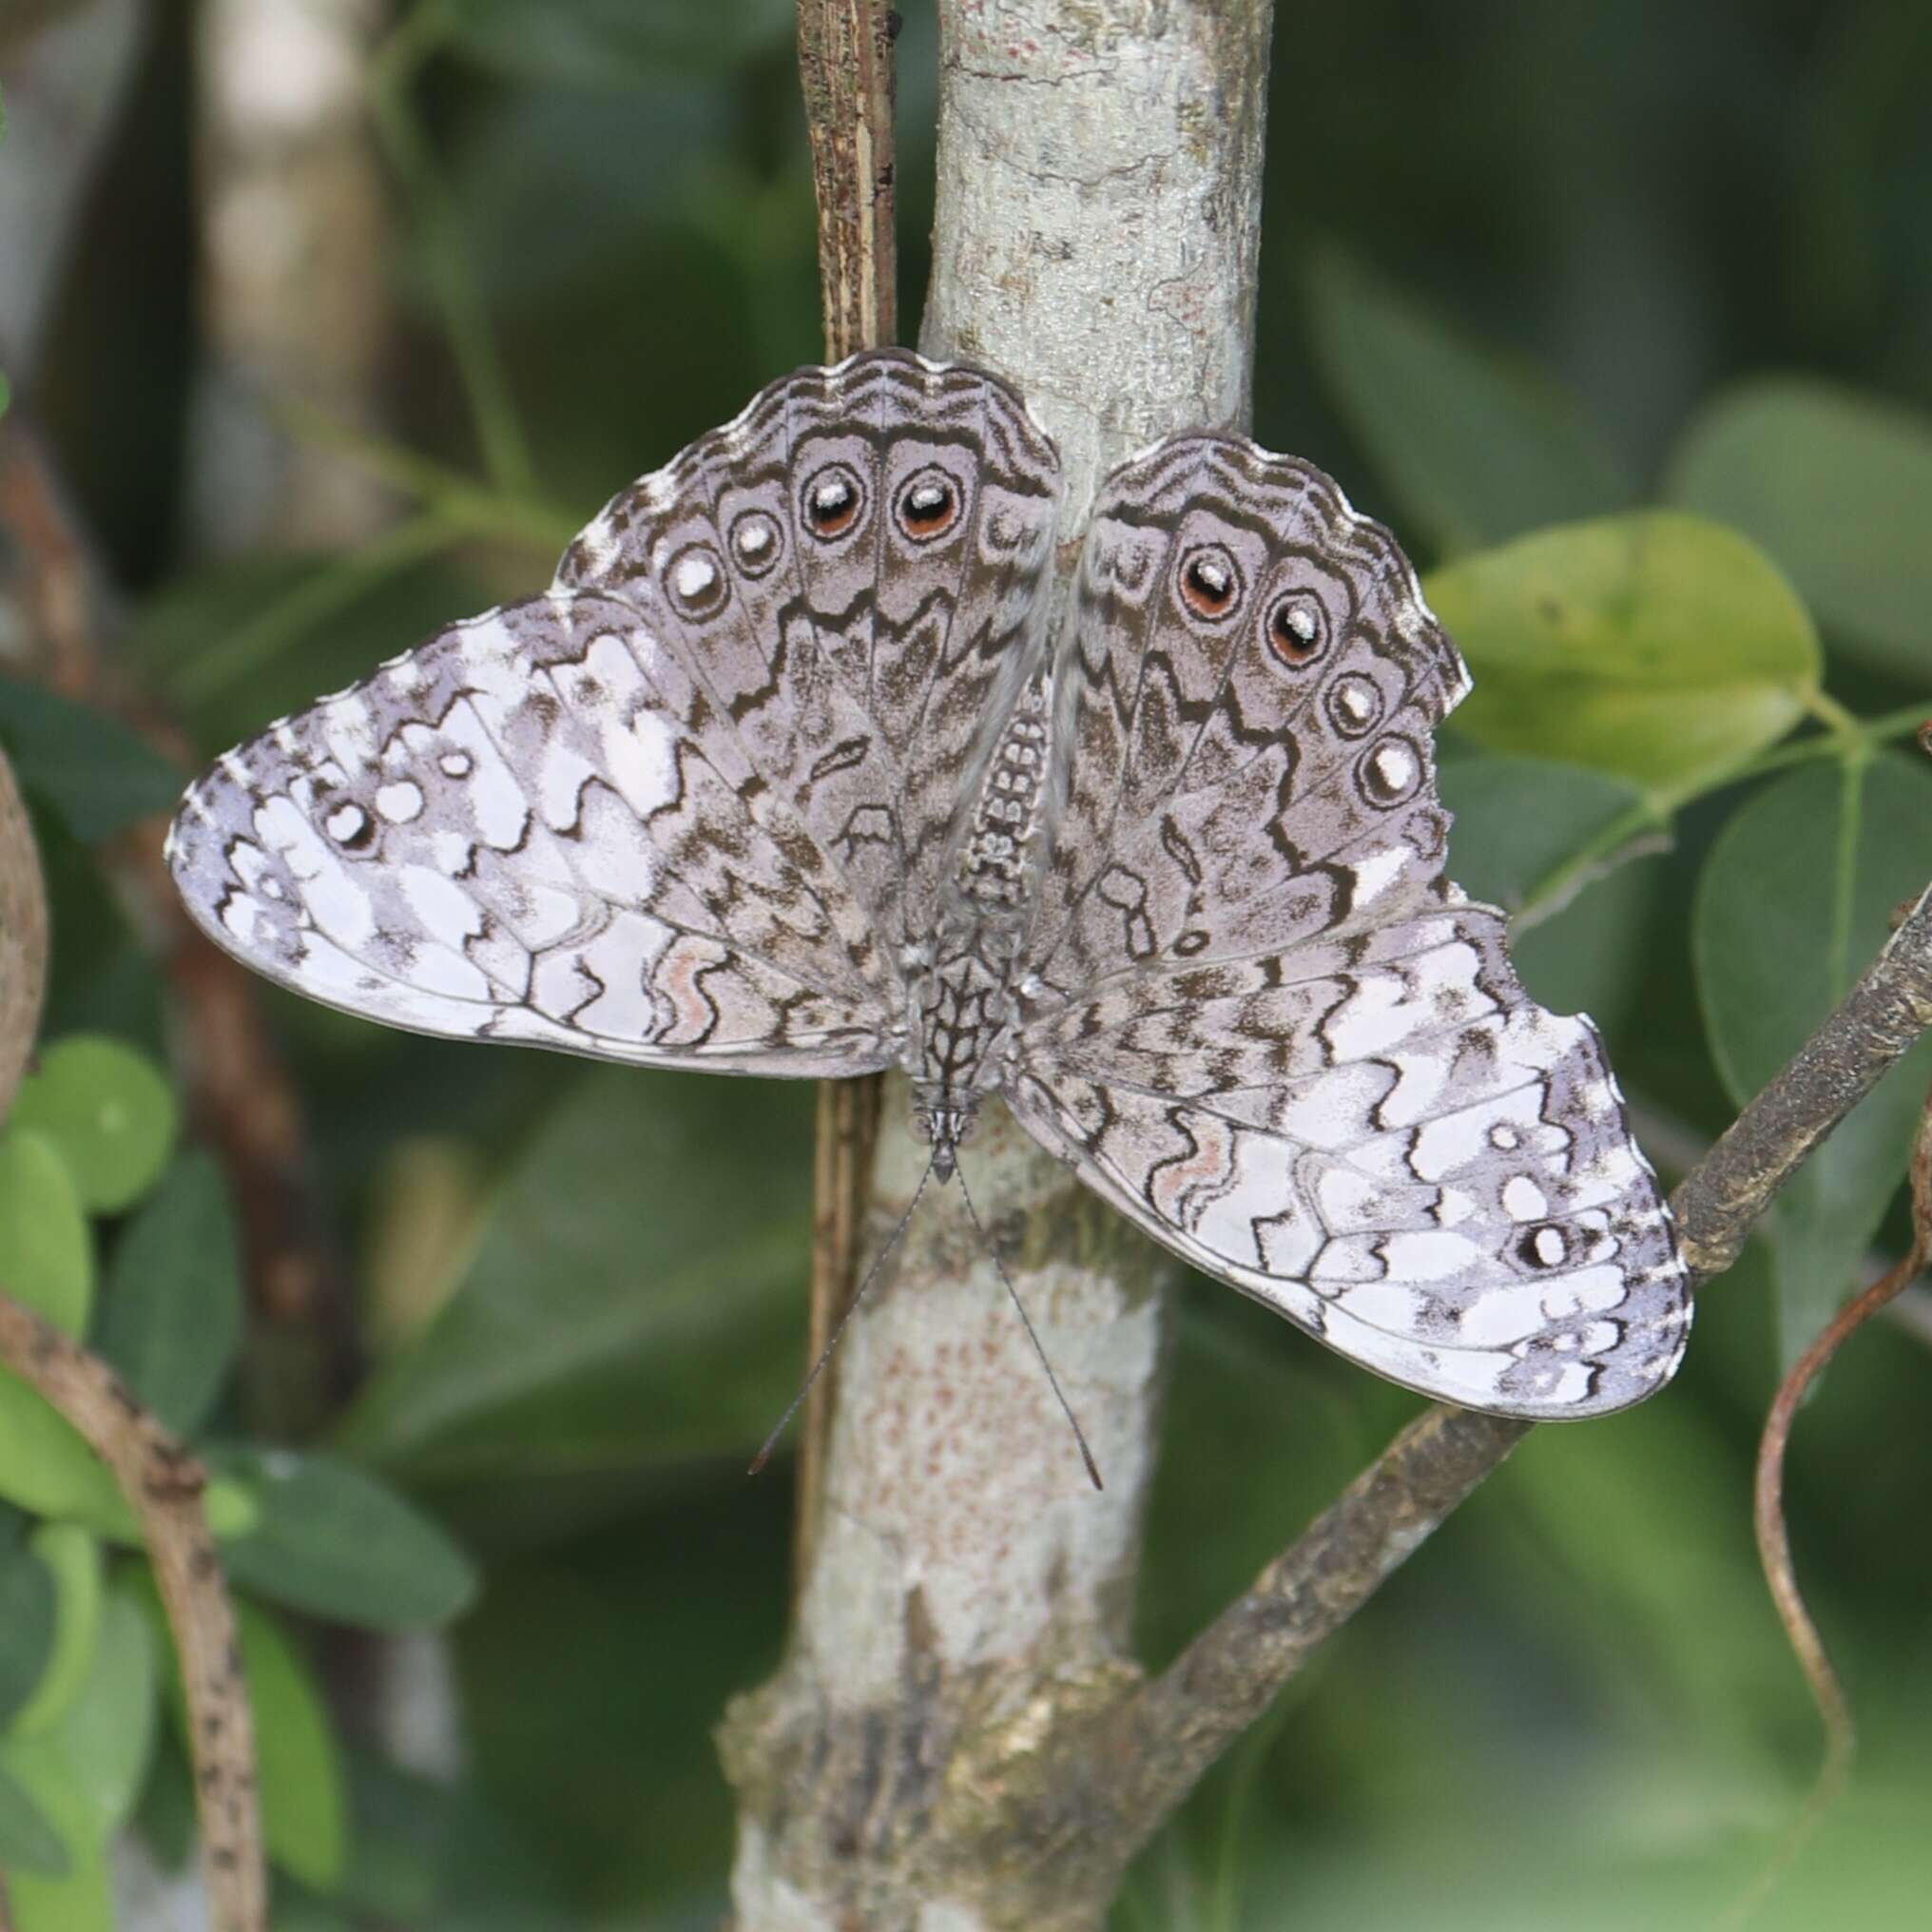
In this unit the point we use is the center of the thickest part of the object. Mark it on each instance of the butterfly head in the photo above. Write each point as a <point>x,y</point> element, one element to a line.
<point>944,1120</point>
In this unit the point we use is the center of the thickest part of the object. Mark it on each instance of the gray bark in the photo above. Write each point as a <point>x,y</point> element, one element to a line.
<point>964,1614</point>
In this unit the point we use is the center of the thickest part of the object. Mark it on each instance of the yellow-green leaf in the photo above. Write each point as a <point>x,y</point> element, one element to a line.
<point>1838,488</point>
<point>1658,647</point>
<point>47,1249</point>
<point>109,1110</point>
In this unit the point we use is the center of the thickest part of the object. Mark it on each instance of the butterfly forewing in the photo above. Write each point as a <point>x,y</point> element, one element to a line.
<point>684,808</point>
<point>870,545</point>
<point>1244,701</point>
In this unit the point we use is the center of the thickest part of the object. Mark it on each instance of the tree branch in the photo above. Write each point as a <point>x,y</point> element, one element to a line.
<point>23,939</point>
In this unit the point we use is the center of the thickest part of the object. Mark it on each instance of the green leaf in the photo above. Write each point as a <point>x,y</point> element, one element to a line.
<point>47,1249</point>
<point>27,1843</point>
<point>336,1544</point>
<point>103,1741</point>
<point>1523,825</point>
<point>1837,486</point>
<point>171,1319</point>
<point>1655,648</point>
<point>1795,902</point>
<point>27,1629</point>
<point>1473,446</point>
<point>638,1292</point>
<point>72,1558</point>
<point>46,1467</point>
<point>85,1775</point>
<point>1551,845</point>
<point>303,1788</point>
<point>96,773</point>
<point>109,1110</point>
<point>82,1902</point>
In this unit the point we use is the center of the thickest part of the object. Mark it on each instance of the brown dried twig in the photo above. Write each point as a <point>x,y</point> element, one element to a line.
<point>845,69</point>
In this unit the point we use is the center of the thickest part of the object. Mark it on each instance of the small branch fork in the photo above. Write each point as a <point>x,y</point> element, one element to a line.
<point>1153,1748</point>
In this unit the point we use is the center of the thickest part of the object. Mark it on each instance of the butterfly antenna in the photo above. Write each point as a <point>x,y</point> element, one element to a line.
<point>1027,1323</point>
<point>764,1456</point>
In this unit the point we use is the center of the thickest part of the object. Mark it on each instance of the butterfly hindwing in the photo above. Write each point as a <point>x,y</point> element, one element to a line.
<point>1386,1139</point>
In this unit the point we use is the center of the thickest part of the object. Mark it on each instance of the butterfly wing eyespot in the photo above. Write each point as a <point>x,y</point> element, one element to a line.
<point>756,542</point>
<point>928,507</point>
<point>1296,628</point>
<point>350,826</point>
<point>1354,704</point>
<point>1210,583</point>
<point>696,582</point>
<point>1391,771</point>
<point>833,501</point>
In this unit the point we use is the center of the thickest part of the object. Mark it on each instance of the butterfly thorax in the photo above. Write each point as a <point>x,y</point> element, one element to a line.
<point>961,1006</point>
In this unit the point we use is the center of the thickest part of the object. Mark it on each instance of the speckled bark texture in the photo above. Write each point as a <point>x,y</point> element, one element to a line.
<point>962,1629</point>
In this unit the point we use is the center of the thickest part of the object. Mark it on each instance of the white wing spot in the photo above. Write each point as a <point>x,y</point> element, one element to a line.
<point>456,765</point>
<point>400,803</point>
<point>1522,1200</point>
<point>346,822</point>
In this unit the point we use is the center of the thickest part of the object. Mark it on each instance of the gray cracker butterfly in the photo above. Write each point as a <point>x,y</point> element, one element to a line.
<point>786,775</point>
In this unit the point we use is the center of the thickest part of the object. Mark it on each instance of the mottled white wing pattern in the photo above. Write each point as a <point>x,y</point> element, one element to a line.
<point>1260,1021</point>
<point>672,811</point>
<point>779,778</point>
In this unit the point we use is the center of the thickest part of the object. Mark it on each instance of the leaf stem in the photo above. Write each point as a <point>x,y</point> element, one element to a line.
<point>1847,737</point>
<point>481,507</point>
<point>397,62</point>
<point>338,582</point>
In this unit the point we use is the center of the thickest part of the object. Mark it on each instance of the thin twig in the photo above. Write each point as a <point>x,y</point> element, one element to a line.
<point>162,1484</point>
<point>845,71</point>
<point>1774,1542</point>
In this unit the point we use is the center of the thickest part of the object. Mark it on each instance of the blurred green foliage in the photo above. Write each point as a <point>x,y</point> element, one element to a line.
<point>1620,315</point>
